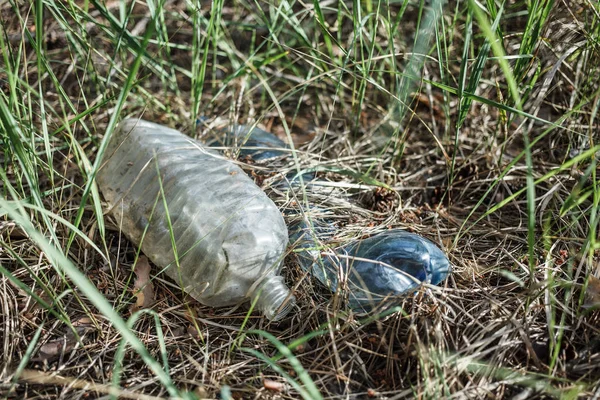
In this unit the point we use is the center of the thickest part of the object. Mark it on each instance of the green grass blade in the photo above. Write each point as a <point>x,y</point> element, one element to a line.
<point>309,391</point>
<point>129,83</point>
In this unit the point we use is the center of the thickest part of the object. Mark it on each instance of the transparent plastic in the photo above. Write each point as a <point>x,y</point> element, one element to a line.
<point>204,221</point>
<point>372,272</point>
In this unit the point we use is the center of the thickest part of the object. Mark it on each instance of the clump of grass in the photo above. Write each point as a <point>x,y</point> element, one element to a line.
<point>472,123</point>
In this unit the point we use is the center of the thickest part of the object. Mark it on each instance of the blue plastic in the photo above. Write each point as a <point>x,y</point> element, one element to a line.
<point>374,271</point>
<point>254,142</point>
<point>260,146</point>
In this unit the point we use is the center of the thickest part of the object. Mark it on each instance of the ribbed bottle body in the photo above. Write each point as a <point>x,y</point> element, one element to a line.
<point>192,211</point>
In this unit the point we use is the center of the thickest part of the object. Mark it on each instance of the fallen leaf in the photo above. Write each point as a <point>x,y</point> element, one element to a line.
<point>273,385</point>
<point>201,393</point>
<point>52,349</point>
<point>592,293</point>
<point>179,331</point>
<point>143,289</point>
<point>55,348</point>
<point>83,322</point>
<point>192,331</point>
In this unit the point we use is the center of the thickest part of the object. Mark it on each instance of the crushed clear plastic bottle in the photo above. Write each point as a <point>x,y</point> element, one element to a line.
<point>375,271</point>
<point>204,221</point>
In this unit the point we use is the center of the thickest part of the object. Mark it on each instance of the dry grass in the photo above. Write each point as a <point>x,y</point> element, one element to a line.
<point>511,321</point>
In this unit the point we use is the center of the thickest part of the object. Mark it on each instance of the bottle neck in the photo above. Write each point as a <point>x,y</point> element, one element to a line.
<point>274,299</point>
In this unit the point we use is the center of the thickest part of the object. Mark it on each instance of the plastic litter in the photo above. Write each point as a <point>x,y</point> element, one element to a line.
<point>258,144</point>
<point>205,221</point>
<point>375,271</point>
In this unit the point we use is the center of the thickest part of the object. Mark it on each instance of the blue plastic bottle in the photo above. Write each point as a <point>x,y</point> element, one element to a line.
<point>374,271</point>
